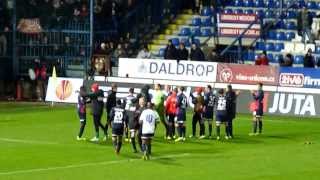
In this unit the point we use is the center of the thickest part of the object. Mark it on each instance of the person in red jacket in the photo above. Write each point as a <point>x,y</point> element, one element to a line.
<point>171,110</point>
<point>262,59</point>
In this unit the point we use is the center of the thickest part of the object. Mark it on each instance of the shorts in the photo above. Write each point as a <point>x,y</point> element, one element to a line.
<point>258,113</point>
<point>132,124</point>
<point>172,118</point>
<point>181,117</point>
<point>208,115</point>
<point>147,136</point>
<point>82,117</point>
<point>221,118</point>
<point>117,131</point>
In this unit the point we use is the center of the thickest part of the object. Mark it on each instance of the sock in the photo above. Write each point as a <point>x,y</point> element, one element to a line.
<point>173,130</point>
<point>146,146</point>
<point>149,149</point>
<point>97,133</point>
<point>119,146</point>
<point>143,147</point>
<point>230,128</point>
<point>218,130</point>
<point>260,126</point>
<point>179,131</point>
<point>227,130</point>
<point>169,131</point>
<point>183,131</point>
<point>194,124</point>
<point>82,126</point>
<point>210,129</point>
<point>127,133</point>
<point>140,143</point>
<point>133,143</point>
<point>254,126</point>
<point>114,143</point>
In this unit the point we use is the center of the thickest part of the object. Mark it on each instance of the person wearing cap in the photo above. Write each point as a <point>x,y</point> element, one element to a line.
<point>96,96</point>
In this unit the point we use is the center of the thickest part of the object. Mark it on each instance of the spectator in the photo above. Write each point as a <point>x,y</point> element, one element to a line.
<point>170,52</point>
<point>309,61</point>
<point>262,59</point>
<point>182,52</point>
<point>304,24</point>
<point>128,48</point>
<point>287,61</point>
<point>213,56</point>
<point>118,53</point>
<point>84,11</point>
<point>196,53</point>
<point>144,53</point>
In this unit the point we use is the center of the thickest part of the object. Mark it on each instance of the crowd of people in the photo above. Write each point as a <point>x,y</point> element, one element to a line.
<point>136,117</point>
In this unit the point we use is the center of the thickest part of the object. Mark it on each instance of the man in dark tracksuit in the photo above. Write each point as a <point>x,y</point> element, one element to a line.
<point>82,111</point>
<point>96,98</point>
<point>232,109</point>
<point>111,103</point>
<point>258,96</point>
<point>140,108</point>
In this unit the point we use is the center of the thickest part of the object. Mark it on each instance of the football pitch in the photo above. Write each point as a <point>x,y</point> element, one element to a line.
<point>38,142</point>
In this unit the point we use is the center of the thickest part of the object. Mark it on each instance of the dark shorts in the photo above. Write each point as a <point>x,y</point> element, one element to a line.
<point>82,116</point>
<point>147,136</point>
<point>171,118</point>
<point>258,113</point>
<point>132,124</point>
<point>117,131</point>
<point>181,117</point>
<point>208,115</point>
<point>221,118</point>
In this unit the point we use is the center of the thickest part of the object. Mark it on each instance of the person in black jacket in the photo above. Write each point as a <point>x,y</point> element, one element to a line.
<point>196,53</point>
<point>170,52</point>
<point>96,98</point>
<point>182,52</point>
<point>231,110</point>
<point>111,103</point>
<point>145,93</point>
<point>309,61</point>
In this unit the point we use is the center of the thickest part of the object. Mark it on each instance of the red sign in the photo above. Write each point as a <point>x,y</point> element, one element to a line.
<point>247,74</point>
<point>291,79</point>
<point>237,18</point>
<point>237,31</point>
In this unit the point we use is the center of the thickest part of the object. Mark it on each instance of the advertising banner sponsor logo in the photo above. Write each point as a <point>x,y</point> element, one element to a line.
<point>290,104</point>
<point>247,74</point>
<point>63,89</point>
<point>168,69</point>
<point>299,77</point>
<point>232,25</point>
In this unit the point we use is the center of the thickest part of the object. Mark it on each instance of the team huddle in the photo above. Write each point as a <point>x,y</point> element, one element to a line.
<point>136,117</point>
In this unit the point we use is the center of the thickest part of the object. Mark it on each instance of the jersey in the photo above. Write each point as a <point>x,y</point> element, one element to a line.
<point>209,103</point>
<point>111,101</point>
<point>171,105</point>
<point>182,104</point>
<point>81,106</point>
<point>232,98</point>
<point>222,105</point>
<point>258,97</point>
<point>198,102</point>
<point>130,107</point>
<point>118,117</point>
<point>158,99</point>
<point>97,102</point>
<point>148,119</point>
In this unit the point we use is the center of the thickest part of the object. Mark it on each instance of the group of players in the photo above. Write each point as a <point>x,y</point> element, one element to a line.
<point>136,117</point>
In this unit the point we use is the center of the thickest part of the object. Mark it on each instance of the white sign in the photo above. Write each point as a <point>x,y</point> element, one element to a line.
<point>168,69</point>
<point>63,90</point>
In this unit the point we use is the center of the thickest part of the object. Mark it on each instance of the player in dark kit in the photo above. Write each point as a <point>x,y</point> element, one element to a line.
<point>221,112</point>
<point>111,103</point>
<point>232,110</point>
<point>96,98</point>
<point>182,104</point>
<point>137,127</point>
<point>118,119</point>
<point>82,113</point>
<point>258,96</point>
<point>198,102</point>
<point>209,102</point>
<point>130,107</point>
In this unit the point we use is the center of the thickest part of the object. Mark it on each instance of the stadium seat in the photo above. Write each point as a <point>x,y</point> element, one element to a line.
<point>196,32</point>
<point>185,41</point>
<point>280,24</point>
<point>269,14</point>
<point>196,41</point>
<point>277,58</point>
<point>269,4</point>
<point>290,25</point>
<point>259,13</point>
<point>276,4</point>
<point>196,21</point>
<point>278,47</point>
<point>298,59</point>
<point>272,35</point>
<point>238,3</point>
<point>238,11</point>
<point>311,5</point>
<point>301,3</point>
<point>281,36</point>
<point>227,11</point>
<point>290,36</point>
<point>248,3</point>
<point>207,21</point>
<point>250,56</point>
<point>260,46</point>
<point>270,57</point>
<point>270,47</point>
<point>318,5</point>
<point>317,51</point>
<point>175,41</point>
<point>291,14</point>
<point>258,3</point>
<point>161,52</point>
<point>185,31</point>
<point>206,11</point>
<point>206,32</point>
<point>248,11</point>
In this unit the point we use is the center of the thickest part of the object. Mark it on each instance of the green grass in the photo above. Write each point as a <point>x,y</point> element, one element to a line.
<point>38,142</point>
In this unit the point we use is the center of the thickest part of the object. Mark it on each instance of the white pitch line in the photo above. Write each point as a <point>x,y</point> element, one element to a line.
<point>27,141</point>
<point>87,165</point>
